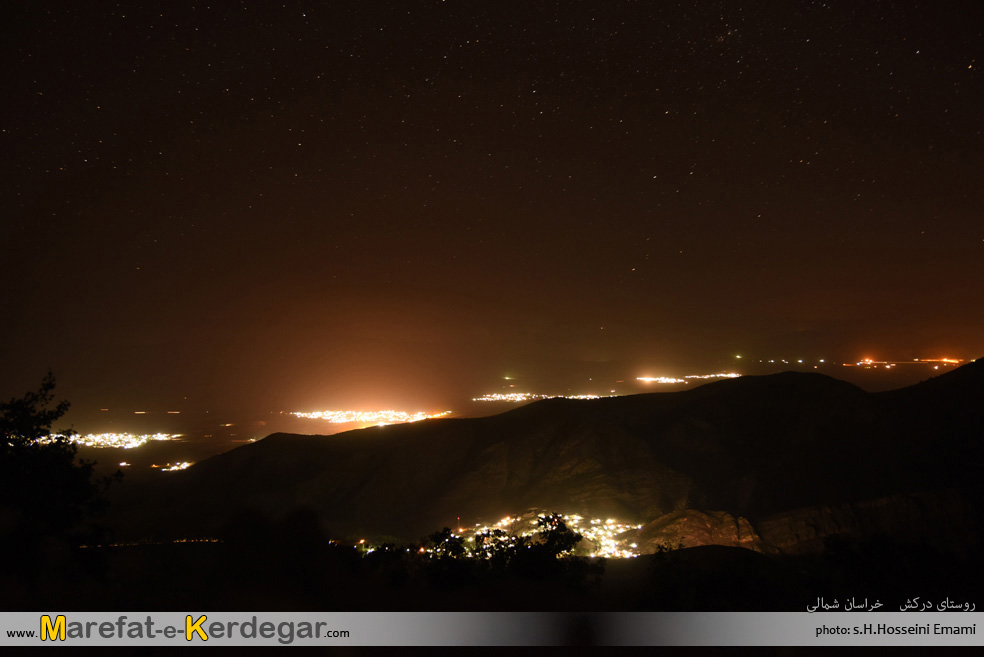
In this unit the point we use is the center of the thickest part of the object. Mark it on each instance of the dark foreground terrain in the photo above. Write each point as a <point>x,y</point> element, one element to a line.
<point>281,576</point>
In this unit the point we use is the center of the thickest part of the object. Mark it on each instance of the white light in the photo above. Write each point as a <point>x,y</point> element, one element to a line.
<point>659,379</point>
<point>117,440</point>
<point>527,396</point>
<point>367,417</point>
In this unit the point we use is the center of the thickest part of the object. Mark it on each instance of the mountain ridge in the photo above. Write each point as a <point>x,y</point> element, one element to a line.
<point>752,448</point>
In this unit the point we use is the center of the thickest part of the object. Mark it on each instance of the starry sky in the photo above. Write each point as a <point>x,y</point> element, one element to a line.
<point>311,204</point>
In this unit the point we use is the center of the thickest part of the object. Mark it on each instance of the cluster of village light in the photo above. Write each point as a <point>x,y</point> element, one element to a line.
<point>528,396</point>
<point>869,363</point>
<point>117,440</point>
<point>173,467</point>
<point>602,534</point>
<point>669,379</point>
<point>367,417</point>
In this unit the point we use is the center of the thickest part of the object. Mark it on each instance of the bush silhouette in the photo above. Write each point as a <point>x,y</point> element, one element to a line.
<point>48,499</point>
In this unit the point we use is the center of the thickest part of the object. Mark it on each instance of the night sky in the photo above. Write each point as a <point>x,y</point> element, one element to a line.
<point>316,205</point>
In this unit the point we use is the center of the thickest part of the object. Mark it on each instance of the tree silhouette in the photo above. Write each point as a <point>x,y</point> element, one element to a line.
<point>496,546</point>
<point>47,497</point>
<point>446,544</point>
<point>558,537</point>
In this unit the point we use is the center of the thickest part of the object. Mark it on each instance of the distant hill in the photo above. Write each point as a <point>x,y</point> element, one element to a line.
<point>768,462</point>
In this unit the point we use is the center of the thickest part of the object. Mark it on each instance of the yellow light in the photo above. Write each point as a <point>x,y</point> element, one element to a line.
<point>526,396</point>
<point>116,440</point>
<point>368,417</point>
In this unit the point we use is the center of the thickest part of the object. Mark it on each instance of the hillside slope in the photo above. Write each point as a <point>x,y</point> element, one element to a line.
<point>793,454</point>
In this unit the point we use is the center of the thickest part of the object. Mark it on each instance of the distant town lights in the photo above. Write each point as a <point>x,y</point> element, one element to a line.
<point>527,396</point>
<point>117,440</point>
<point>870,362</point>
<point>367,417</point>
<point>659,379</point>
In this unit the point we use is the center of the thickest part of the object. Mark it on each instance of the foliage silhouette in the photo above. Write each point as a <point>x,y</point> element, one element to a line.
<point>48,498</point>
<point>539,558</point>
<point>445,544</point>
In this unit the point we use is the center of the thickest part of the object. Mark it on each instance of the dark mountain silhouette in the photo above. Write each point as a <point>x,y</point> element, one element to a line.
<point>770,462</point>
